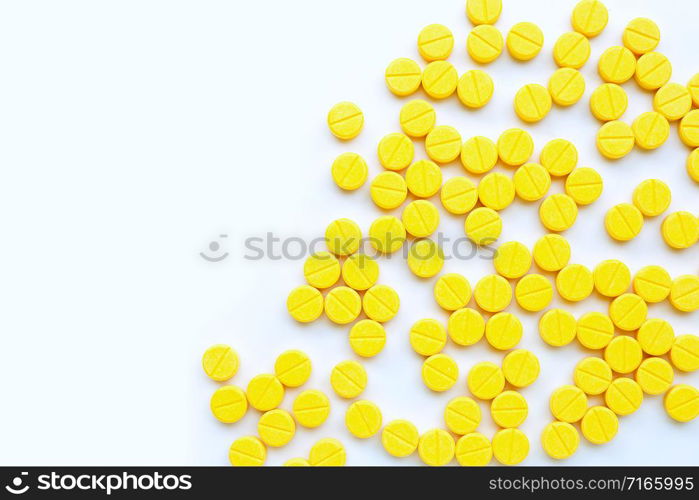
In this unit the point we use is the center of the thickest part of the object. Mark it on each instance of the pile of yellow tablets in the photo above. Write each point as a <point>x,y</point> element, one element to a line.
<point>632,355</point>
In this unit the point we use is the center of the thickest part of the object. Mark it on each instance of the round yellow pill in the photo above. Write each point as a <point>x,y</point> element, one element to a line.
<point>473,450</point>
<point>651,130</point>
<point>680,230</point>
<point>682,403</point>
<point>452,291</point>
<point>592,375</point>
<point>403,76</point>
<point>349,171</point>
<point>424,178</point>
<point>624,396</point>
<point>484,43</point>
<point>493,293</point>
<point>363,419</point>
<point>571,50</point>
<point>628,311</point>
<point>653,70</point>
<point>343,237</point>
<point>483,226</point>
<point>417,118</point>
<point>512,260</point>
<point>388,190</point>
<point>656,337</point>
<point>623,354</point>
<point>558,212</point>
<point>612,278</point>
<point>652,284</point>
<point>510,446</point>
<point>693,165</point>
<point>479,155</point>
<point>685,353</point>
<point>311,408</point>
<point>641,35</point>
<point>503,331</point>
<point>485,380</point>
<point>292,368</point>
<point>435,42</point>
<point>595,330</point>
<point>265,392</point>
<point>615,139</point>
<point>533,292</point>
<point>428,337</point>
<point>462,415</point>
<point>557,327</point>
<point>367,338</point>
<point>327,452</point>
<point>568,403</point>
<point>509,409</point>
<point>483,11</point>
<point>652,197</point>
<point>551,252</point>
<point>436,447</point>
<point>560,440</point>
<point>443,144</point>
<point>559,157</point>
<point>589,18</point>
<point>655,376</point>
<point>693,87</point>
<point>475,88</point>
<point>360,271</point>
<point>297,462</point>
<point>387,234</point>
<point>459,195</point>
<point>400,438</point>
<point>515,147</point>
<point>276,428</point>
<point>348,379</point>
<point>574,282</point>
<point>532,103</point>
<point>616,65</point>
<point>524,41</point>
<point>584,185</point>
<point>305,304</point>
<point>689,129</point>
<point>608,102</point>
<point>532,181</point>
<point>599,425</point>
<point>439,79</point>
<point>425,258</point>
<point>466,326</point>
<point>673,101</point>
<point>566,86</point>
<point>381,303</point>
<point>623,222</point>
<point>496,190</point>
<point>228,404</point>
<point>321,270</point>
<point>247,451</point>
<point>520,368</point>
<point>342,305</point>
<point>345,120</point>
<point>220,362</point>
<point>440,372</point>
<point>396,151</point>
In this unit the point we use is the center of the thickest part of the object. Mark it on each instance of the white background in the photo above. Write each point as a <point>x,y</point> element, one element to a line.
<point>134,132</point>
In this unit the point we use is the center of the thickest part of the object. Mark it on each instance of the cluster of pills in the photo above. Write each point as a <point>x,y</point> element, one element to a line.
<point>652,71</point>
<point>637,355</point>
<point>310,409</point>
<point>651,198</point>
